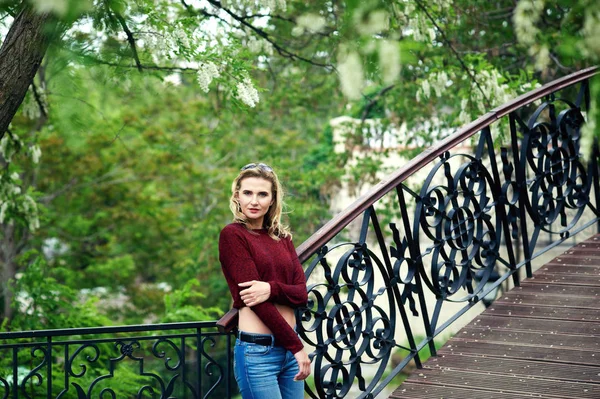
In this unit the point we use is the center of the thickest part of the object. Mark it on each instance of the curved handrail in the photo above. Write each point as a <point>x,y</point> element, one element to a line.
<point>342,219</point>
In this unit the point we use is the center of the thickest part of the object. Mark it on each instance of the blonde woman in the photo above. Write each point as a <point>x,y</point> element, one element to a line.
<point>266,282</point>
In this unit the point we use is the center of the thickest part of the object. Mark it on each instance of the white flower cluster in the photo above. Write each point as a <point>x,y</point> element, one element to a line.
<point>258,46</point>
<point>439,81</point>
<point>9,145</point>
<point>526,16</point>
<point>35,153</point>
<point>276,4</point>
<point>376,21</point>
<point>309,22</point>
<point>351,74</point>
<point>22,205</point>
<point>180,36</point>
<point>205,75</point>
<point>389,61</point>
<point>58,7</point>
<point>247,93</point>
<point>591,34</point>
<point>497,93</point>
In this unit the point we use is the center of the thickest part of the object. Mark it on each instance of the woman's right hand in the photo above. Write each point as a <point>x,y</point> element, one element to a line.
<point>303,365</point>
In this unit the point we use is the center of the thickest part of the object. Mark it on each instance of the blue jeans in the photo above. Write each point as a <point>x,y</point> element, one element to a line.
<point>266,372</point>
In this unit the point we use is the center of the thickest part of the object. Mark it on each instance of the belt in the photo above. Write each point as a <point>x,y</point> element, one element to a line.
<point>265,340</point>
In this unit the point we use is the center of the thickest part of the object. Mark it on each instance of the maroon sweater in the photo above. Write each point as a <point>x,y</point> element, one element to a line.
<point>253,255</point>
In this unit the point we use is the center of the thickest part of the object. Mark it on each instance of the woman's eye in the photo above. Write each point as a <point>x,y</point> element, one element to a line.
<point>263,194</point>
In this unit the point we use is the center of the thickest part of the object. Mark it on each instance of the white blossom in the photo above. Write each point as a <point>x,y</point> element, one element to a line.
<point>14,176</point>
<point>36,153</point>
<point>542,59</point>
<point>389,60</point>
<point>3,209</point>
<point>527,14</point>
<point>591,34</point>
<point>431,33</point>
<point>375,22</point>
<point>59,7</point>
<point>351,75</point>
<point>311,22</point>
<point>9,145</point>
<point>206,73</point>
<point>247,93</point>
<point>426,88</point>
<point>259,46</point>
<point>275,4</point>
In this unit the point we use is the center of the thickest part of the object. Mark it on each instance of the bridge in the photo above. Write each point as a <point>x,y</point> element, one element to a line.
<point>395,273</point>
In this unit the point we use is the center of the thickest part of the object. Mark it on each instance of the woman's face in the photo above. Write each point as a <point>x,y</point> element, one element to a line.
<point>255,196</point>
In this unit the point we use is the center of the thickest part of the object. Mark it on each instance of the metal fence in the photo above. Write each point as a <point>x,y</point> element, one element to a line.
<point>177,360</point>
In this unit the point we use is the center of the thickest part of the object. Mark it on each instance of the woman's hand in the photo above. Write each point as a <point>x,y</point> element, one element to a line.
<point>257,292</point>
<point>303,365</point>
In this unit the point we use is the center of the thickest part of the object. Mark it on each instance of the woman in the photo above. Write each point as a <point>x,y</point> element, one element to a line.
<point>266,282</point>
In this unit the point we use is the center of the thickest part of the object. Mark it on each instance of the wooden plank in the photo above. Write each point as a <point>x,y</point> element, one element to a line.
<point>536,325</point>
<point>547,339</point>
<point>545,277</point>
<point>576,260</point>
<point>409,390</point>
<point>580,291</point>
<point>524,368</point>
<point>556,267</point>
<point>508,349</point>
<point>543,312</point>
<point>534,298</point>
<point>507,383</point>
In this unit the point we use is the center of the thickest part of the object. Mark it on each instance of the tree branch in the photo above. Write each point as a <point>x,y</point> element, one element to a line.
<point>131,40</point>
<point>282,51</point>
<point>458,57</point>
<point>374,101</point>
<point>38,99</point>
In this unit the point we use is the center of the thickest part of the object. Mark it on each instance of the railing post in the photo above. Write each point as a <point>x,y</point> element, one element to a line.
<point>49,365</point>
<point>595,158</point>
<point>15,384</point>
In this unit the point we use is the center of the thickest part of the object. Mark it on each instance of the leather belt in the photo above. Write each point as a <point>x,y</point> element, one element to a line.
<point>265,340</point>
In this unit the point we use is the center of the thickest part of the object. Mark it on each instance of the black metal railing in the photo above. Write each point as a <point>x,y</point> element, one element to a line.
<point>176,360</point>
<point>467,223</point>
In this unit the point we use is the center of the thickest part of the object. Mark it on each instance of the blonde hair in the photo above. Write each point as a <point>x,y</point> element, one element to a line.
<point>272,220</point>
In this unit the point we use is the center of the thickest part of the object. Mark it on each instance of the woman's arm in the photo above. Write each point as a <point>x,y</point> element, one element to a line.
<point>294,294</point>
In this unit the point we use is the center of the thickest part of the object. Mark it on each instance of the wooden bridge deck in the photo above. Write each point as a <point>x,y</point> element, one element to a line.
<point>540,340</point>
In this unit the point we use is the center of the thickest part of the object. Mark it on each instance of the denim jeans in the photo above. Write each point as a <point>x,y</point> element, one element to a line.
<point>266,372</point>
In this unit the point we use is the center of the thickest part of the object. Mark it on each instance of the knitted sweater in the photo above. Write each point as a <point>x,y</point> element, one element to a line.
<point>253,255</point>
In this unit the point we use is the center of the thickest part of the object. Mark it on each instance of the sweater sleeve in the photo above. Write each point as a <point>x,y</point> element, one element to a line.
<point>238,264</point>
<point>294,294</point>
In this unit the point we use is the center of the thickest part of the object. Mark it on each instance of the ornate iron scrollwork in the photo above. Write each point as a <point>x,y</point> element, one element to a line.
<point>347,328</point>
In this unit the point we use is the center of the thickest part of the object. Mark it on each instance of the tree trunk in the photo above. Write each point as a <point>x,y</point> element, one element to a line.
<point>20,57</point>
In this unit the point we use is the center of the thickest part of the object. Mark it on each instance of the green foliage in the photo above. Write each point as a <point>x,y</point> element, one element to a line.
<point>183,305</point>
<point>45,303</point>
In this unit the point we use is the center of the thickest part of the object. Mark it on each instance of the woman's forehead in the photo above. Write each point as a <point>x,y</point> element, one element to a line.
<point>255,184</point>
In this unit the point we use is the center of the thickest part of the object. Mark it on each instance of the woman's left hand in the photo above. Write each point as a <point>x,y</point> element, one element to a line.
<point>256,293</point>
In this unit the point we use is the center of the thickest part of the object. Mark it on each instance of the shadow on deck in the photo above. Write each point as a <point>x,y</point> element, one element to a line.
<point>539,340</point>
